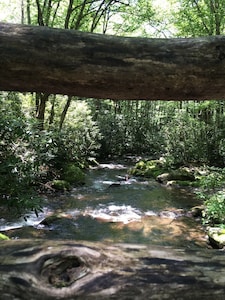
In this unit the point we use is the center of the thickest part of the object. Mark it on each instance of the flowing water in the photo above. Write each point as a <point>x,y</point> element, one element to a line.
<point>112,207</point>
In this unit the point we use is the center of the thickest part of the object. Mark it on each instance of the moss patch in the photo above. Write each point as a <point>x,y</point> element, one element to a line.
<point>149,169</point>
<point>61,185</point>
<point>73,174</point>
<point>4,237</point>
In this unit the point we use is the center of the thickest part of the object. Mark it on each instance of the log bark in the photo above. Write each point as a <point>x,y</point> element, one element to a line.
<point>70,62</point>
<point>69,270</point>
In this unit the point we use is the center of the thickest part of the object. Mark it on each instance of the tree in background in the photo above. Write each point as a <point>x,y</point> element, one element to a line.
<point>199,18</point>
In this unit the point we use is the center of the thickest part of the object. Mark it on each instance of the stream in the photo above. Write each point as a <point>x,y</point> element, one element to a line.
<point>113,208</point>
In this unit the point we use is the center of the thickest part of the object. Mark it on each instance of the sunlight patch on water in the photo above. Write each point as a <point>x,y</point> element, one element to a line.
<point>112,166</point>
<point>115,213</point>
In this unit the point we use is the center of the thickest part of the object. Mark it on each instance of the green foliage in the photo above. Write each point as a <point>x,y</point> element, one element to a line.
<point>137,18</point>
<point>194,132</point>
<point>199,18</point>
<point>182,137</point>
<point>211,184</point>
<point>15,156</point>
<point>213,180</point>
<point>214,212</point>
<point>81,131</point>
<point>128,127</point>
<point>32,158</point>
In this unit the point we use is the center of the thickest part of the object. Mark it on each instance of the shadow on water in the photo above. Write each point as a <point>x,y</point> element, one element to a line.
<point>111,207</point>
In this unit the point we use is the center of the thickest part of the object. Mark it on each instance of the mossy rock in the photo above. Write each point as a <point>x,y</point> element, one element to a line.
<point>182,174</point>
<point>182,177</point>
<point>197,211</point>
<point>73,174</point>
<point>150,168</point>
<point>4,237</point>
<point>216,237</point>
<point>61,185</point>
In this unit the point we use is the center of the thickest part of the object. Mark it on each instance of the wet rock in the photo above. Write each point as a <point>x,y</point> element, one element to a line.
<point>216,237</point>
<point>114,184</point>
<point>196,211</point>
<point>168,214</point>
<point>182,174</point>
<point>148,168</point>
<point>163,178</point>
<point>123,178</point>
<point>172,183</point>
<point>176,176</point>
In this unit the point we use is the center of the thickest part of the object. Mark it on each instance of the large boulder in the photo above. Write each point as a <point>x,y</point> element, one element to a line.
<point>148,168</point>
<point>178,175</point>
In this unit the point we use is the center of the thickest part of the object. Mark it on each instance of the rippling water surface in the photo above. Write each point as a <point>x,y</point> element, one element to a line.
<point>111,208</point>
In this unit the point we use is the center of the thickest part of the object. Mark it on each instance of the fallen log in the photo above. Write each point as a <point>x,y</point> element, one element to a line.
<point>69,270</point>
<point>70,62</point>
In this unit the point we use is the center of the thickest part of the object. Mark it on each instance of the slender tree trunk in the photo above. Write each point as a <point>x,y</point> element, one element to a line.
<point>40,14</point>
<point>28,12</point>
<point>43,98</point>
<point>52,113</point>
<point>107,67</point>
<point>64,112</point>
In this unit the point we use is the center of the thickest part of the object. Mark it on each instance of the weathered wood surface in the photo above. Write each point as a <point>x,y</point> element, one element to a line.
<point>91,65</point>
<point>70,270</point>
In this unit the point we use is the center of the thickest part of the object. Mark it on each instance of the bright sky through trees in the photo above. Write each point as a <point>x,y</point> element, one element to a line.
<point>10,11</point>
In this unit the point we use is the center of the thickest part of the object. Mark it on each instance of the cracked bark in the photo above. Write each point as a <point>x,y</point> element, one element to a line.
<point>83,64</point>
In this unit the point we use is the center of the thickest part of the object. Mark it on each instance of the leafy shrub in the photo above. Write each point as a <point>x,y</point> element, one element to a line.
<point>16,157</point>
<point>214,212</point>
<point>213,179</point>
<point>184,139</point>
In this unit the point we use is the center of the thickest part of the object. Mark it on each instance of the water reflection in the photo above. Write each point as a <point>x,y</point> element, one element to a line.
<point>112,208</point>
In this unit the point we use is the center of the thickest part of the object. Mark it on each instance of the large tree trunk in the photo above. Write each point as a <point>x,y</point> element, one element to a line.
<point>90,65</point>
<point>68,270</point>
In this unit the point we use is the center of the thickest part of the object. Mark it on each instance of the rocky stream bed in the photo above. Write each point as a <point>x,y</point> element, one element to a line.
<point>114,238</point>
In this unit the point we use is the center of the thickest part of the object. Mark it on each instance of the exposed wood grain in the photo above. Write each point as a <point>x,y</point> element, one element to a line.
<point>69,270</point>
